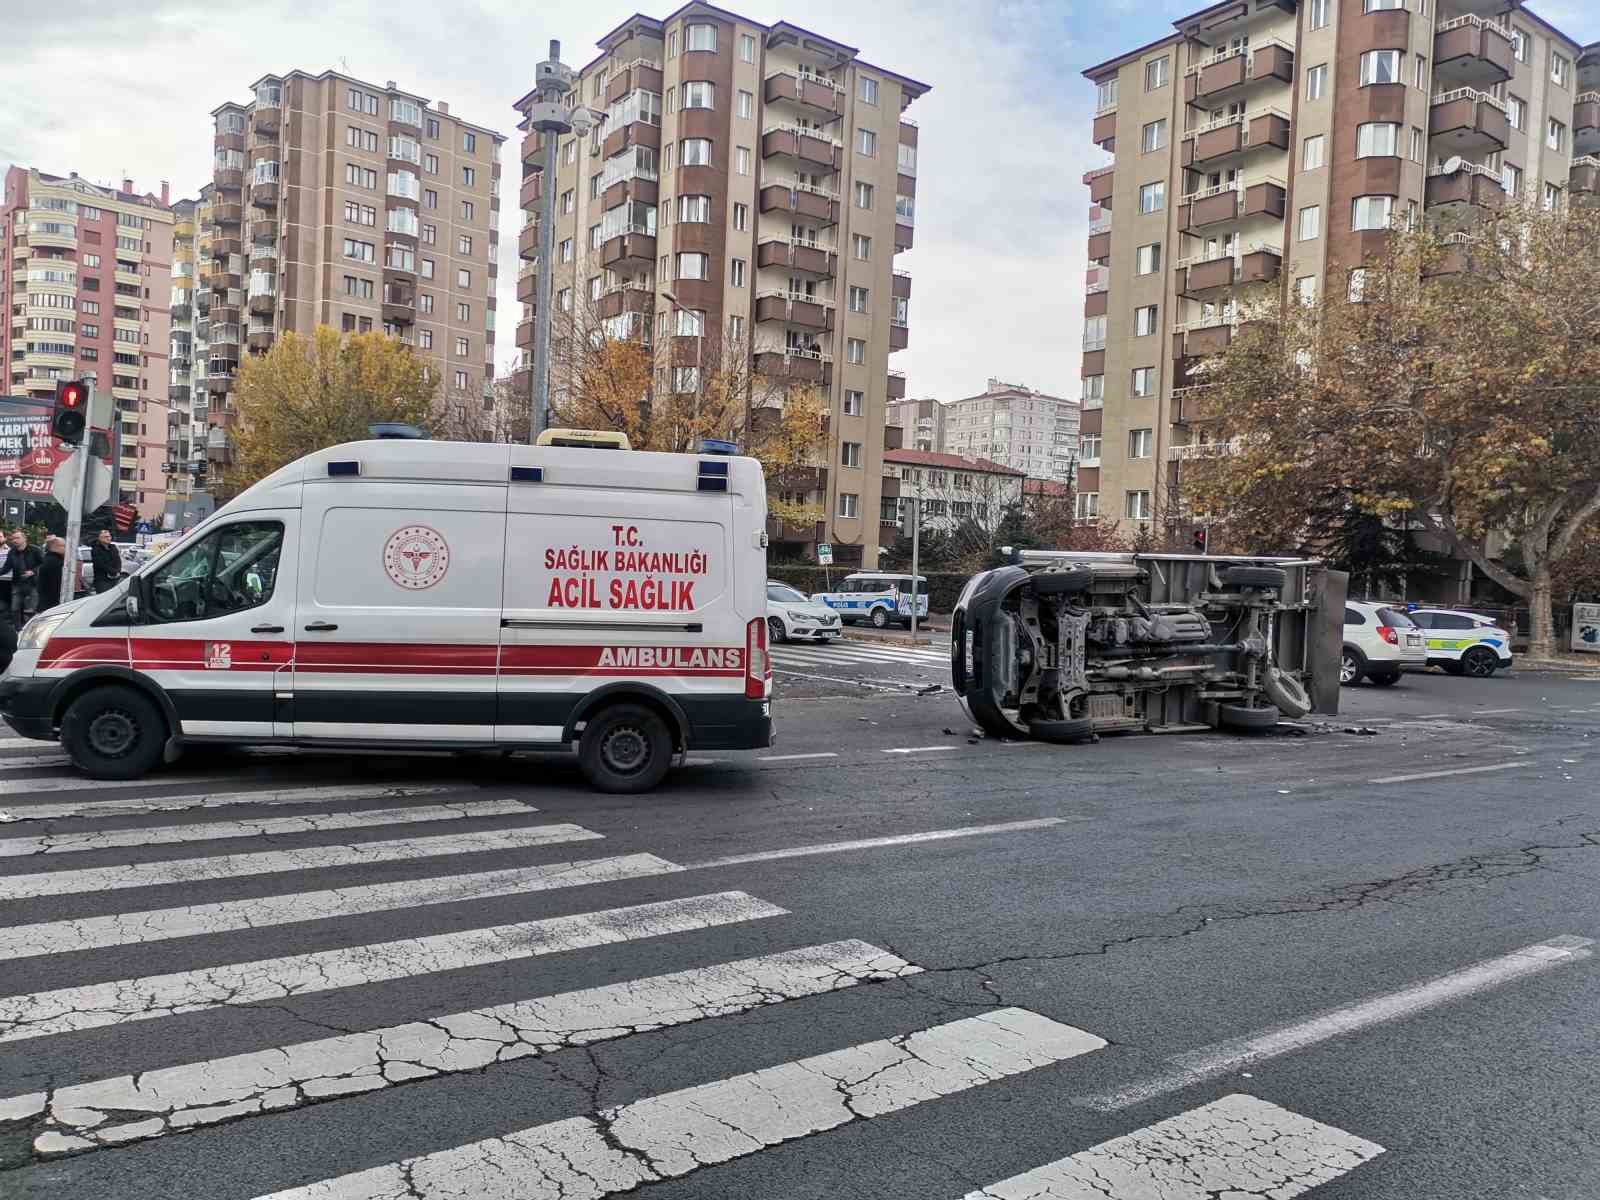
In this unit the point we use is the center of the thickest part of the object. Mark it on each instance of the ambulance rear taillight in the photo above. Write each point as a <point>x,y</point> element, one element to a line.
<point>758,667</point>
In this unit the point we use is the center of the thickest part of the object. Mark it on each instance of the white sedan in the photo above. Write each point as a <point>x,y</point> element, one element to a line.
<point>794,616</point>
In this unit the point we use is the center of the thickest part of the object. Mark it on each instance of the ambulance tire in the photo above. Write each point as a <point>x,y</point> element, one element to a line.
<point>625,749</point>
<point>113,732</point>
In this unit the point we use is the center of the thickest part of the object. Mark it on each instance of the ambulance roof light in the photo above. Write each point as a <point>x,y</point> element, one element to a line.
<point>718,446</point>
<point>385,430</point>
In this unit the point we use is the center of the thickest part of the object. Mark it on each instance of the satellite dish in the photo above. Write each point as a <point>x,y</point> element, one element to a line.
<point>1451,165</point>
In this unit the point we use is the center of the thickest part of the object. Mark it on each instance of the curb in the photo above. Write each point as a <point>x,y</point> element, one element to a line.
<point>925,636</point>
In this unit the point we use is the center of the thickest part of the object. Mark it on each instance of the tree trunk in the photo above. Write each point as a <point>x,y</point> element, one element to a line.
<point>1541,616</point>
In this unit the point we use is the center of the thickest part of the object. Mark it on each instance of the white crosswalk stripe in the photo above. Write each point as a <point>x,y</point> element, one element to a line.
<point>162,835</point>
<point>859,654</point>
<point>119,1001</point>
<point>230,866</point>
<point>82,783</point>
<point>666,1136</point>
<point>203,1093</point>
<point>1236,1146</point>
<point>141,805</point>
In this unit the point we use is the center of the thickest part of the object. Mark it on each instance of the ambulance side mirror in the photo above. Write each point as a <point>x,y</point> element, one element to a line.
<point>130,603</point>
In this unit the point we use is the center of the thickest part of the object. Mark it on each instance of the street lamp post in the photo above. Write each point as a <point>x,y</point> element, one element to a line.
<point>547,113</point>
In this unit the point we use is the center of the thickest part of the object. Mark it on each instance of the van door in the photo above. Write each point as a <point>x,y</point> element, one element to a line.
<point>398,624</point>
<point>216,631</point>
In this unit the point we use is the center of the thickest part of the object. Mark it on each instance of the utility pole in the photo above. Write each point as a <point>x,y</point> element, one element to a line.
<point>80,454</point>
<point>548,114</point>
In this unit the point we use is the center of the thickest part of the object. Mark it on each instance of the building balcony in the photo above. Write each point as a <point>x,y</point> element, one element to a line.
<point>803,200</point>
<point>1584,178</point>
<point>780,531</point>
<point>1470,185</point>
<point>262,303</point>
<point>525,335</point>
<point>182,312</point>
<point>259,340</point>
<point>1099,184</point>
<point>533,150</point>
<point>1217,141</point>
<point>528,241</point>
<point>263,230</point>
<point>1455,259</point>
<point>900,286</point>
<point>1204,276</point>
<point>178,393</point>
<point>1204,335</point>
<point>897,385</point>
<point>1105,131</point>
<point>818,97</point>
<point>641,73</point>
<point>268,113</point>
<point>1586,123</point>
<point>532,191</point>
<point>904,236</point>
<point>635,133</point>
<point>228,179</point>
<point>627,299</point>
<point>630,251</point>
<point>528,287</point>
<point>264,195</point>
<point>796,309</point>
<point>1189,403</point>
<point>1231,202</point>
<point>799,257</point>
<point>1467,121</point>
<point>1231,71</point>
<point>811,149</point>
<point>899,335</point>
<point>1469,51</point>
<point>227,215</point>
<point>399,305</point>
<point>801,366</point>
<point>222,247</point>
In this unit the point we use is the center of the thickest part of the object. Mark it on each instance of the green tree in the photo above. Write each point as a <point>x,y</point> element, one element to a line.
<point>308,393</point>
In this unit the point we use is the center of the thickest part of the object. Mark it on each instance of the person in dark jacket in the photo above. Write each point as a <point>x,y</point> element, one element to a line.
<point>107,560</point>
<point>22,568</point>
<point>55,557</point>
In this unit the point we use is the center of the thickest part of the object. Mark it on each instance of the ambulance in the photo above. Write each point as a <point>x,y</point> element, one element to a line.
<point>414,594</point>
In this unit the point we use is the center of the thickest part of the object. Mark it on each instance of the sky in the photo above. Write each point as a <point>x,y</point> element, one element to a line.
<point>113,91</point>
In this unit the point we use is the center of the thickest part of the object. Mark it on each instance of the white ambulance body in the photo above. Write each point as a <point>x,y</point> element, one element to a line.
<point>420,594</point>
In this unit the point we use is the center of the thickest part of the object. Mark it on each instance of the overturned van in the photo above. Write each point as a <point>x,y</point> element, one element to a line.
<point>1063,646</point>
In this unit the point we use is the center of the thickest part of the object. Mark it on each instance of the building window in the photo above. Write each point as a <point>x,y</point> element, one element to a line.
<point>469,176</point>
<point>908,159</point>
<point>353,286</point>
<point>1147,259</point>
<point>596,236</point>
<point>700,37</point>
<point>1153,197</point>
<point>464,311</point>
<point>691,323</point>
<point>747,105</point>
<point>430,199</point>
<point>1558,69</point>
<point>1416,144</point>
<point>698,94</point>
<point>461,381</point>
<point>1153,136</point>
<point>694,208</point>
<point>1311,152</point>
<point>855,350</point>
<point>1310,222</point>
<point>1371,212</point>
<point>1089,449</point>
<point>695,152</point>
<point>1088,506</point>
<point>360,251</point>
<point>469,142</point>
<point>1421,78</point>
<point>430,235</point>
<point>736,272</point>
<point>741,160</point>
<point>464,245</point>
<point>1511,179</point>
<point>1380,66</point>
<point>564,251</point>
<point>1136,506</point>
<point>862,246</point>
<point>362,177</point>
<point>849,504</point>
<point>1377,139</point>
<point>464,276</point>
<point>863,195</point>
<point>1156,73</point>
<point>735,329</point>
<point>1521,45</point>
<point>433,128</point>
<point>672,44</point>
<point>1356,285</point>
<point>866,142</point>
<point>1317,14</point>
<point>430,163</point>
<point>1382,5</point>
<point>853,403</point>
<point>1516,112</point>
<point>867,89</point>
<point>741,216</point>
<point>1094,391</point>
<point>1316,82</point>
<point>425,302</point>
<point>692,266</point>
<point>1105,95</point>
<point>858,299</point>
<point>1140,443</point>
<point>747,48</point>
<point>1555,135</point>
<point>1144,320</point>
<point>361,139</point>
<point>1144,381</point>
<point>468,210</point>
<point>1305,289</point>
<point>849,454</point>
<point>1552,197</point>
<point>464,347</point>
<point>427,267</point>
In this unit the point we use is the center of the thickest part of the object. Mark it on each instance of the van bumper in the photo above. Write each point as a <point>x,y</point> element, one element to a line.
<point>26,704</point>
<point>727,722</point>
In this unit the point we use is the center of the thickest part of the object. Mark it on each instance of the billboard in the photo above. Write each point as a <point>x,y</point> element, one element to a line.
<point>34,466</point>
<point>1586,627</point>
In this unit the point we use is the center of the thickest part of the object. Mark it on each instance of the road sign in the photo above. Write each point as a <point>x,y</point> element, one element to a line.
<point>34,466</point>
<point>825,553</point>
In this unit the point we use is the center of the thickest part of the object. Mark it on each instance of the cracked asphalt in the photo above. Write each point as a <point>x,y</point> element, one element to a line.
<point>1197,889</point>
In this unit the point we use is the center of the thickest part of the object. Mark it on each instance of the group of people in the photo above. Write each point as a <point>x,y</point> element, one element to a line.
<point>33,575</point>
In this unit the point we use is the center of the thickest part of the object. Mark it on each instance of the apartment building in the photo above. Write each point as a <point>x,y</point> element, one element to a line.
<point>954,490</point>
<point>342,203</point>
<point>1015,426</point>
<point>921,420</point>
<point>87,270</point>
<point>185,464</point>
<point>1269,143</point>
<point>757,181</point>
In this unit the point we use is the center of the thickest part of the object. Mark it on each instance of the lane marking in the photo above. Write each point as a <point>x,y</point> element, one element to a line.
<point>1236,1146</point>
<point>1207,1063</point>
<point>29,762</point>
<point>233,866</point>
<point>123,1001</point>
<point>168,835</point>
<point>1433,716</point>
<point>675,1133</point>
<point>1510,766</point>
<point>194,920</point>
<point>796,757</point>
<point>141,805</point>
<point>901,839</point>
<point>203,1093</point>
<point>80,783</point>
<point>1493,712</point>
<point>919,749</point>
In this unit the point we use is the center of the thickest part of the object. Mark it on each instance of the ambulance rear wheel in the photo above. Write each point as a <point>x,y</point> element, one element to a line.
<point>626,748</point>
<point>113,732</point>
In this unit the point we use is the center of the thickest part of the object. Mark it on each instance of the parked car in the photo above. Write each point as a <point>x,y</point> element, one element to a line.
<point>1463,643</point>
<point>794,616</point>
<point>882,598</point>
<point>1380,641</point>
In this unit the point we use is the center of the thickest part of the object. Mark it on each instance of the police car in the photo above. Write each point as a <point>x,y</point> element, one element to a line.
<point>882,599</point>
<point>418,594</point>
<point>1463,643</point>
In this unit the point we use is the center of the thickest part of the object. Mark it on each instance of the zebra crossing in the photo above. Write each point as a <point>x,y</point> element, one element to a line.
<point>243,850</point>
<point>806,656</point>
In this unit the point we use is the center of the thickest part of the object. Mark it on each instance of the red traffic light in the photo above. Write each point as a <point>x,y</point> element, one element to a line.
<point>71,411</point>
<point>71,395</point>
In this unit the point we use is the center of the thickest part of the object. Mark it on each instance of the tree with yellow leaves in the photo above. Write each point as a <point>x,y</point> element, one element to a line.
<point>306,394</point>
<point>1451,384</point>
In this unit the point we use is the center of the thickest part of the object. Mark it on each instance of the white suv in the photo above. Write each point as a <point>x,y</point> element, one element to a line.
<point>1464,643</point>
<point>1379,640</point>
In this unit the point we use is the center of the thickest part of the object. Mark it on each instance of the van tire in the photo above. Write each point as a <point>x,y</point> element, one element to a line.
<point>1068,582</point>
<point>113,732</point>
<point>1241,718</point>
<point>626,748</point>
<point>1075,729</point>
<point>880,618</point>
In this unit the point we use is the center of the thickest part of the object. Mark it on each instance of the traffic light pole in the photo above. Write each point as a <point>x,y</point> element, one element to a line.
<point>69,566</point>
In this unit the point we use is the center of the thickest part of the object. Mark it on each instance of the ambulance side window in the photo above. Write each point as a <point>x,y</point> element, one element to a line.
<point>234,569</point>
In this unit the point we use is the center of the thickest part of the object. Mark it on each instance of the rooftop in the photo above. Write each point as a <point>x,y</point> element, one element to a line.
<point>954,462</point>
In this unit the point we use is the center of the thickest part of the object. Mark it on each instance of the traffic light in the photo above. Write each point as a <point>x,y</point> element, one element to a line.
<point>1199,541</point>
<point>72,407</point>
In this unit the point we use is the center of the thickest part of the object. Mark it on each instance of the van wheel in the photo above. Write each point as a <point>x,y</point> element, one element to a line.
<point>113,732</point>
<point>626,748</point>
<point>880,618</point>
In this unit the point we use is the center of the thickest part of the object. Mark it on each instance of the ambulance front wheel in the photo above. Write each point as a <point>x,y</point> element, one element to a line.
<point>626,748</point>
<point>113,732</point>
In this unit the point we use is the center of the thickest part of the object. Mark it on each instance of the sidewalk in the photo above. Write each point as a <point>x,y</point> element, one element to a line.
<point>1561,664</point>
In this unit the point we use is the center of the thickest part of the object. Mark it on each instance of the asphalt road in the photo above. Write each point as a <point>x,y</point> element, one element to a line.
<point>1348,959</point>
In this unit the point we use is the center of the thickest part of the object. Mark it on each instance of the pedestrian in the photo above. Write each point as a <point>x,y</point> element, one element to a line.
<point>50,567</point>
<point>107,560</point>
<point>22,568</point>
